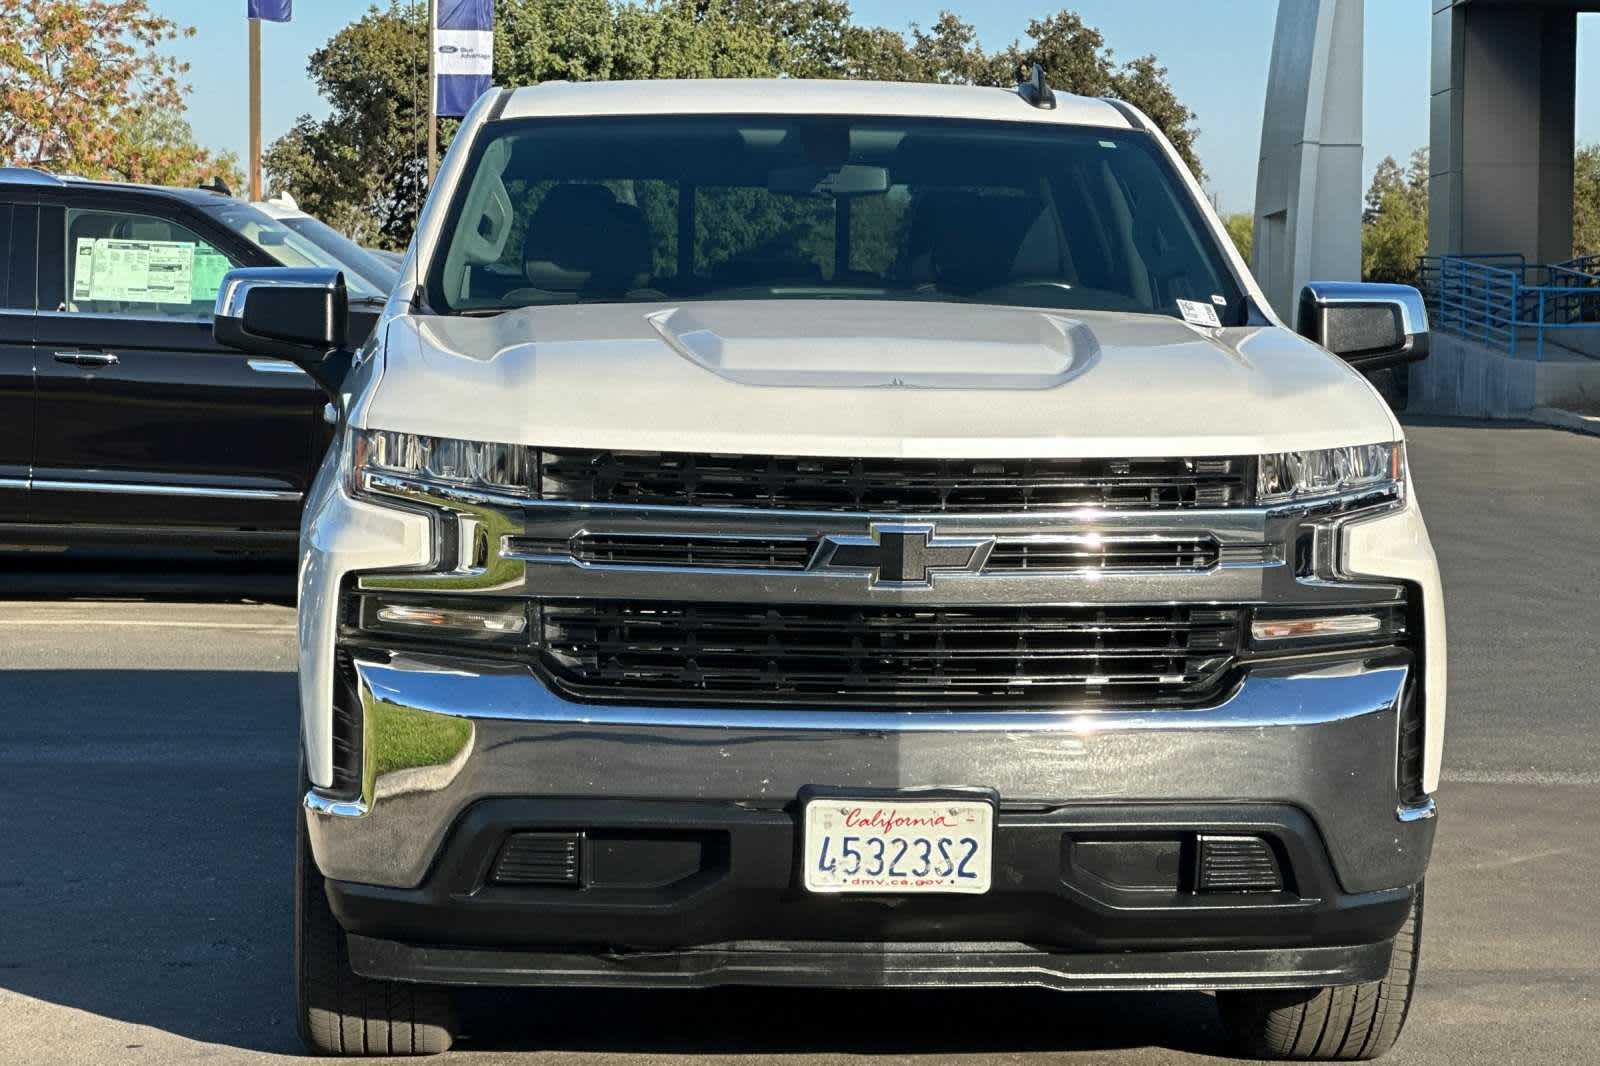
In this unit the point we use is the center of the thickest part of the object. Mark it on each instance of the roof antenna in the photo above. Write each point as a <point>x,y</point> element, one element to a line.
<point>1033,88</point>
<point>216,185</point>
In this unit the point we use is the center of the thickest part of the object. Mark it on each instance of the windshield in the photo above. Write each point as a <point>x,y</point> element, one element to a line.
<point>372,267</point>
<point>288,247</point>
<point>739,207</point>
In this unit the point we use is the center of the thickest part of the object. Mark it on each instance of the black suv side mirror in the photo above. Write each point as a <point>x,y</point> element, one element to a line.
<point>302,315</point>
<point>1370,326</point>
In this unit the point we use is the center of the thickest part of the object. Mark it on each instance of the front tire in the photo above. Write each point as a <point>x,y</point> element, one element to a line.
<point>339,1011</point>
<point>1346,1023</point>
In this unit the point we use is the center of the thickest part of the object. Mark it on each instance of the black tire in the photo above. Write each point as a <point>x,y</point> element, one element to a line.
<point>1346,1023</point>
<point>1394,385</point>
<point>339,1011</point>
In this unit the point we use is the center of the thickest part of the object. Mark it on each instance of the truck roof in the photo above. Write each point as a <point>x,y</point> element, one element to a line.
<point>35,177</point>
<point>795,96</point>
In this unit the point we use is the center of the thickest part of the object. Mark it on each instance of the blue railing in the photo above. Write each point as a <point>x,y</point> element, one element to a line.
<point>1505,302</point>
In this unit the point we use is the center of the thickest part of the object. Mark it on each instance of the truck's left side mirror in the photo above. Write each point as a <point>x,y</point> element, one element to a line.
<point>301,315</point>
<point>1370,326</point>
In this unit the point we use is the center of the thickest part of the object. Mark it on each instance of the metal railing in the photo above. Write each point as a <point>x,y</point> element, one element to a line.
<point>1503,301</point>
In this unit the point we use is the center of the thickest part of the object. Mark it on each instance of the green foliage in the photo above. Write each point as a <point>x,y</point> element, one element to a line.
<point>85,89</point>
<point>1395,224</point>
<point>1586,201</point>
<point>1241,227</point>
<point>362,168</point>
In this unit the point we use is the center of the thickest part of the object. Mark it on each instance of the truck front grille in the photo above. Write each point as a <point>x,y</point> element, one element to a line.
<point>839,655</point>
<point>922,486</point>
<point>1092,552</point>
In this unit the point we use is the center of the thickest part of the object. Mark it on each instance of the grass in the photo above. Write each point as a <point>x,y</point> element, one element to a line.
<point>407,738</point>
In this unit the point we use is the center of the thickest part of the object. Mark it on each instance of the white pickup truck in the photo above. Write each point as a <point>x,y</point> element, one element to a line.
<point>860,535</point>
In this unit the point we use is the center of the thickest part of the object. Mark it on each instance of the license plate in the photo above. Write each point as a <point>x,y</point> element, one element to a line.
<point>901,846</point>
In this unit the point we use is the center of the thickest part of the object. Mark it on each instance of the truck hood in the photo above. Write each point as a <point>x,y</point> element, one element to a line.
<point>869,378</point>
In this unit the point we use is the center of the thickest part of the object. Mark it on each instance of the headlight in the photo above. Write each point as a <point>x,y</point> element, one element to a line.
<point>1291,477</point>
<point>444,461</point>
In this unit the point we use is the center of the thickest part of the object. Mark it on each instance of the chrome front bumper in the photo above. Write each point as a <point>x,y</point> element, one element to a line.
<point>442,735</point>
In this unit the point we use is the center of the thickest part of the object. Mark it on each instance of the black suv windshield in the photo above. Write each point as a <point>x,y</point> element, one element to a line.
<point>678,208</point>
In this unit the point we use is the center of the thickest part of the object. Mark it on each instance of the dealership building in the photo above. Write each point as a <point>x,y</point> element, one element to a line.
<point>1516,316</point>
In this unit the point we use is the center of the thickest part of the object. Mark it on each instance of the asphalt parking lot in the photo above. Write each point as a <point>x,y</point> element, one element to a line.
<point>147,775</point>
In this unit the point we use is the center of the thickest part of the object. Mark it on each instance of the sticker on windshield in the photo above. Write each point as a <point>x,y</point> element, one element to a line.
<point>1199,314</point>
<point>136,272</point>
<point>209,268</point>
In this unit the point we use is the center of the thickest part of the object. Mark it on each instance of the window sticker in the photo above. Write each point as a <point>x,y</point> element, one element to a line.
<point>209,268</point>
<point>135,272</point>
<point>1199,314</point>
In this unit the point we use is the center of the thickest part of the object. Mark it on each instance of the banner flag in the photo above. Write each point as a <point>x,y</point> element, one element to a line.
<point>464,54</point>
<point>271,10</point>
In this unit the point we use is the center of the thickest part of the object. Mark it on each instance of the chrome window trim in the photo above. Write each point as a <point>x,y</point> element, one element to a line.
<point>19,483</point>
<point>194,319</point>
<point>127,488</point>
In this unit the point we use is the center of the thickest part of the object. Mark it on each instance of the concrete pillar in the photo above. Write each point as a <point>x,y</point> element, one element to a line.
<point>1504,85</point>
<point>1308,188</point>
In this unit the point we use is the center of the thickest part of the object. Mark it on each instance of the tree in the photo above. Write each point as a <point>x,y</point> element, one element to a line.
<point>361,169</point>
<point>156,146</point>
<point>1241,227</point>
<point>1586,201</point>
<point>1394,229</point>
<point>85,89</point>
<point>1077,60</point>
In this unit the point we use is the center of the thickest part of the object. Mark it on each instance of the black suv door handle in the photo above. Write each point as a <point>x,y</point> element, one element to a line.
<point>87,358</point>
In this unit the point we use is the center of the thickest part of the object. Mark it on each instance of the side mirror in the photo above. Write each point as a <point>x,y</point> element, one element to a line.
<point>1370,326</point>
<point>301,315</point>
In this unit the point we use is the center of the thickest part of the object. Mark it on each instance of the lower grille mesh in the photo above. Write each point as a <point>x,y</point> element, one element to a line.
<point>836,654</point>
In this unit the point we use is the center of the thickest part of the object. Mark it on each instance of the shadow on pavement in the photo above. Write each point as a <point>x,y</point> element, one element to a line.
<point>149,842</point>
<point>738,1021</point>
<point>66,576</point>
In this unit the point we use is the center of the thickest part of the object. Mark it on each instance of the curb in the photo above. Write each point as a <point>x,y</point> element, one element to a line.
<point>1570,420</point>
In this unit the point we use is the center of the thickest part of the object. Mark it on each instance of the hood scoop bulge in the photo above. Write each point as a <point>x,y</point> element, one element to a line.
<point>864,345</point>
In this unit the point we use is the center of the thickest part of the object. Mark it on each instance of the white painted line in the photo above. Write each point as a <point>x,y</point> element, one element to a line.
<point>1549,778</point>
<point>264,627</point>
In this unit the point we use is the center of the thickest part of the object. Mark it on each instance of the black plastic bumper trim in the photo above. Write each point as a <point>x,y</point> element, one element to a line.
<point>747,888</point>
<point>822,965</point>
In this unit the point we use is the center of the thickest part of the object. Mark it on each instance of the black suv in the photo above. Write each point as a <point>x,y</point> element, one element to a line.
<point>122,422</point>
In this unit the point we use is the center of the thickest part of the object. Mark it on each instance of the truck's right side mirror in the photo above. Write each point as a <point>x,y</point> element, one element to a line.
<point>301,315</point>
<point>1370,326</point>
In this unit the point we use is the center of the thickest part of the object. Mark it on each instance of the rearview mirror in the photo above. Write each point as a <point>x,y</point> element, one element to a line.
<point>843,182</point>
<point>301,315</point>
<point>1370,326</point>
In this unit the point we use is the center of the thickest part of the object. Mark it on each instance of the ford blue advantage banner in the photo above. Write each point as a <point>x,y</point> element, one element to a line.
<point>271,10</point>
<point>464,59</point>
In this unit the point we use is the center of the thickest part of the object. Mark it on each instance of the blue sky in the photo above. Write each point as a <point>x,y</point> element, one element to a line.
<point>1217,52</point>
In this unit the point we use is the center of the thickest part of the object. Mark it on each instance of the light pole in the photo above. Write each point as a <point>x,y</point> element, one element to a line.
<point>255,110</point>
<point>433,91</point>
